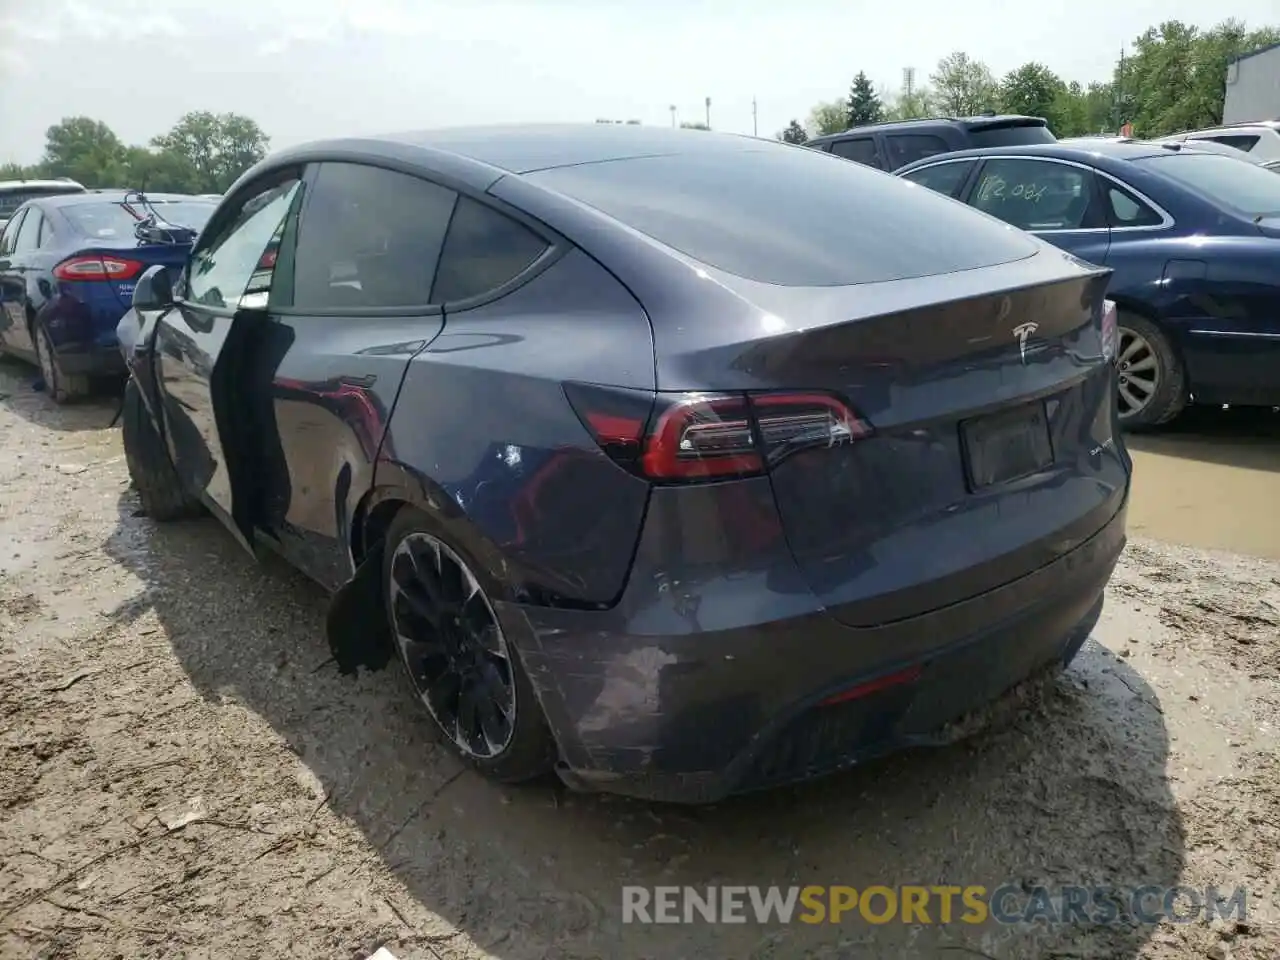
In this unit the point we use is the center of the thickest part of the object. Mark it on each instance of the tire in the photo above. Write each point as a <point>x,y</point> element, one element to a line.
<point>522,749</point>
<point>1152,374</point>
<point>61,386</point>
<point>161,492</point>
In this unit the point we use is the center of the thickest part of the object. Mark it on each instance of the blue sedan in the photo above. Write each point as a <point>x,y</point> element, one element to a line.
<point>1193,239</point>
<point>68,265</point>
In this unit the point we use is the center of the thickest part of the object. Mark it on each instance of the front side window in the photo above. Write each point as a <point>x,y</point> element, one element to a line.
<point>229,271</point>
<point>907,148</point>
<point>859,149</point>
<point>484,249</point>
<point>945,178</point>
<point>10,236</point>
<point>29,234</point>
<point>369,238</point>
<point>1035,194</point>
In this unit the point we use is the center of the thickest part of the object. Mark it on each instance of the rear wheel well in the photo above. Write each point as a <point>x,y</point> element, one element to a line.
<point>1138,308</point>
<point>371,525</point>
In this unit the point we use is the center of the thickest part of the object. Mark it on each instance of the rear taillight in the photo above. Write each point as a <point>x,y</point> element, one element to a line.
<point>97,268</point>
<point>1110,330</point>
<point>698,436</point>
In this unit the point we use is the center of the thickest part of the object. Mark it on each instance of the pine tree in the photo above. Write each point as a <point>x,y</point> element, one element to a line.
<point>794,133</point>
<point>863,105</point>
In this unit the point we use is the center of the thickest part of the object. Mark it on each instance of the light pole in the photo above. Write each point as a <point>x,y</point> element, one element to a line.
<point>672,108</point>
<point>755,126</point>
<point>708,113</point>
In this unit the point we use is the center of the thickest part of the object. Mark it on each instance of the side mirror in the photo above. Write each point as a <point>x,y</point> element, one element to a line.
<point>154,290</point>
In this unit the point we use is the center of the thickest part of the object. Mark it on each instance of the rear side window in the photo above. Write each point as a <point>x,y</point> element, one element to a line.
<point>789,217</point>
<point>907,148</point>
<point>483,250</point>
<point>1239,141</point>
<point>1014,136</point>
<point>1126,210</point>
<point>859,149</point>
<point>47,236</point>
<point>945,178</point>
<point>369,238</point>
<point>1244,187</point>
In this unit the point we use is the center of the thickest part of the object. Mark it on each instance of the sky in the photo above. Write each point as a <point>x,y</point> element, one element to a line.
<point>307,69</point>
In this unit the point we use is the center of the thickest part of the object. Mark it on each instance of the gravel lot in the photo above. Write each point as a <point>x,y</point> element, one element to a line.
<point>184,772</point>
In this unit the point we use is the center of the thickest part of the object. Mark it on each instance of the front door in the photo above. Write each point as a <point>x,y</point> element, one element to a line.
<point>1057,201</point>
<point>220,298</point>
<point>13,289</point>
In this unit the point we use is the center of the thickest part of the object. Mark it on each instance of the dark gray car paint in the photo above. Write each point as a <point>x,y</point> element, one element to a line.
<point>672,631</point>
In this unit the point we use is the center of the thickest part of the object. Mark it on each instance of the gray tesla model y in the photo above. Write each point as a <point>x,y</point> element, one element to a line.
<point>678,462</point>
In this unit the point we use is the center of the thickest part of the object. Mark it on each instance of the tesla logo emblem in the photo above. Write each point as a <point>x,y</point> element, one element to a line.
<point>1022,331</point>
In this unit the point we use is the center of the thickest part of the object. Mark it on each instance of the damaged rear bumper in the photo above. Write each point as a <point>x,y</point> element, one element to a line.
<point>692,715</point>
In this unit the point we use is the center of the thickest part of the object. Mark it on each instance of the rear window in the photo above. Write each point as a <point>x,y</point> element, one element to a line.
<point>1243,142</point>
<point>790,217</point>
<point>12,199</point>
<point>1244,187</point>
<point>1015,136</point>
<point>111,221</point>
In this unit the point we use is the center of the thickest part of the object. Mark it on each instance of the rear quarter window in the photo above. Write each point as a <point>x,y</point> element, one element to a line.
<point>790,217</point>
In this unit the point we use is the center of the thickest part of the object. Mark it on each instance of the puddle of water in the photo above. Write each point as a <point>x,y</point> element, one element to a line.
<point>1210,481</point>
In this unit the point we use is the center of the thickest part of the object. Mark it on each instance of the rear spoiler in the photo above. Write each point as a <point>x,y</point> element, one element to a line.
<point>996,123</point>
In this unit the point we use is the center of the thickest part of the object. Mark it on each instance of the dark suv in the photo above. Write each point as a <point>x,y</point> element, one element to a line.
<point>896,143</point>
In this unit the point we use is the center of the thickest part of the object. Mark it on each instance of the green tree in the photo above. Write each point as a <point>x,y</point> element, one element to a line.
<point>161,171</point>
<point>83,149</point>
<point>863,105</point>
<point>218,147</point>
<point>829,117</point>
<point>1068,115</point>
<point>963,87</point>
<point>1032,90</point>
<point>919,103</point>
<point>794,133</point>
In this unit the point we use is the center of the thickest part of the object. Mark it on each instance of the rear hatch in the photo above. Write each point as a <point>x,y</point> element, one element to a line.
<point>988,452</point>
<point>969,359</point>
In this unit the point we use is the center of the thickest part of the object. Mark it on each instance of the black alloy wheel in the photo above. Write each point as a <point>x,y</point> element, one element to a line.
<point>452,646</point>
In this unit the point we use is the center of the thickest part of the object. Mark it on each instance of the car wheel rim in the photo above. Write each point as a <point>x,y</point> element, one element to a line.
<point>1139,372</point>
<point>452,646</point>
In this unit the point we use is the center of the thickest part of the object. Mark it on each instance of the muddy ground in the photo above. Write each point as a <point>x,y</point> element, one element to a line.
<point>184,773</point>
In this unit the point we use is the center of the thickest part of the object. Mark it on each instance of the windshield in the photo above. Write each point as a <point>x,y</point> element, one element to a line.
<point>12,199</point>
<point>111,221</point>
<point>791,217</point>
<point>1243,187</point>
